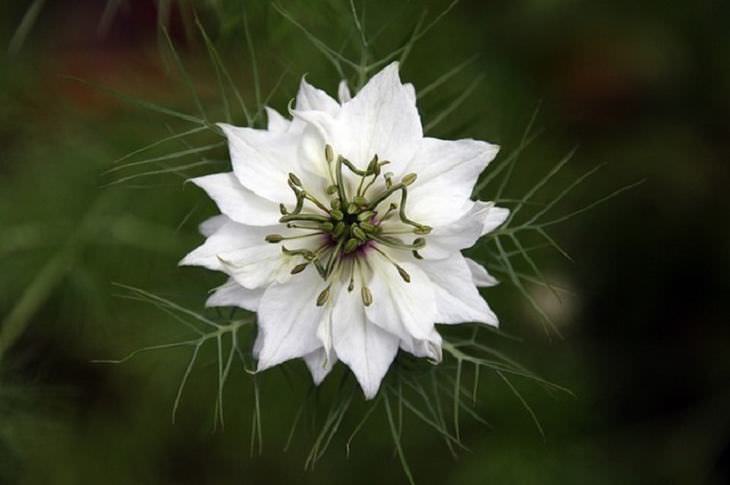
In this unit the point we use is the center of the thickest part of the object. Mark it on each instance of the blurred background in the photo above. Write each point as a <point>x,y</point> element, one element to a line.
<point>640,86</point>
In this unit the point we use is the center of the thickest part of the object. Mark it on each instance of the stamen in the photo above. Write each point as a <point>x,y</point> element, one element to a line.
<point>314,200</point>
<point>299,268</point>
<point>402,272</point>
<point>349,221</point>
<point>303,217</point>
<point>351,245</point>
<point>323,297</point>
<point>295,180</point>
<point>367,296</point>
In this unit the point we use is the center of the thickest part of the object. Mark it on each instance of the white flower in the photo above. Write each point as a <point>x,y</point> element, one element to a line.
<point>343,229</point>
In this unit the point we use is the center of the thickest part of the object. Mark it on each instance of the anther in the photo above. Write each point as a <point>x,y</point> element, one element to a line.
<point>367,297</point>
<point>419,242</point>
<point>328,226</point>
<point>423,230</point>
<point>331,189</point>
<point>359,233</point>
<point>329,154</point>
<point>274,238</point>
<point>299,268</point>
<point>403,274</point>
<point>360,200</point>
<point>364,216</point>
<point>417,255</point>
<point>295,180</point>
<point>282,209</point>
<point>351,245</point>
<point>409,179</point>
<point>337,215</point>
<point>335,203</point>
<point>339,229</point>
<point>367,227</point>
<point>323,297</point>
<point>352,208</point>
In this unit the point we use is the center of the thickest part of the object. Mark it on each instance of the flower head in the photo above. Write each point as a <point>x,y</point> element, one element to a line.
<point>343,228</point>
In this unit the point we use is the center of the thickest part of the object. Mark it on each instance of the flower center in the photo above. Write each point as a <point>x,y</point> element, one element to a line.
<point>352,220</point>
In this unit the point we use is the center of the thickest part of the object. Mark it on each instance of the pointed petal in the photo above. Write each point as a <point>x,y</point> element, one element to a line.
<point>343,92</point>
<point>212,224</point>
<point>494,218</point>
<point>401,308</point>
<point>429,348</point>
<point>457,299</point>
<point>289,318</point>
<point>233,294</point>
<point>243,253</point>
<point>447,172</point>
<point>464,232</point>
<point>237,202</point>
<point>262,160</point>
<point>367,349</point>
<point>276,122</point>
<point>311,98</point>
<point>319,364</point>
<point>479,274</point>
<point>381,119</point>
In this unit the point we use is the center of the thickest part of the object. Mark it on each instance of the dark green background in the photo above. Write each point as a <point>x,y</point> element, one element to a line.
<point>643,86</point>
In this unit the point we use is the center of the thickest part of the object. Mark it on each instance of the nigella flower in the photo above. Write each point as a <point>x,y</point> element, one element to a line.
<point>343,229</point>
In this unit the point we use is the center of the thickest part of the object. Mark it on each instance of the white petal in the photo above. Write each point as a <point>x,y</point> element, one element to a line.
<point>319,364</point>
<point>276,122</point>
<point>457,299</point>
<point>462,233</point>
<point>289,318</point>
<point>242,252</point>
<point>479,274</point>
<point>494,218</point>
<point>381,119</point>
<point>311,98</point>
<point>262,160</point>
<point>237,202</point>
<point>343,92</point>
<point>212,224</point>
<point>429,348</point>
<point>403,309</point>
<point>447,172</point>
<point>233,294</point>
<point>367,349</point>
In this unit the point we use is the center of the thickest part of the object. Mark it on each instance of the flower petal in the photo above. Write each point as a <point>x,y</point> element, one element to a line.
<point>236,201</point>
<point>276,122</point>
<point>319,364</point>
<point>447,172</point>
<point>429,348</point>
<point>243,253</point>
<point>311,98</point>
<point>343,92</point>
<point>381,119</point>
<point>479,274</point>
<point>233,294</point>
<point>457,299</point>
<point>262,160</point>
<point>464,232</point>
<point>401,308</point>
<point>367,349</point>
<point>288,319</point>
<point>212,224</point>
<point>494,218</point>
